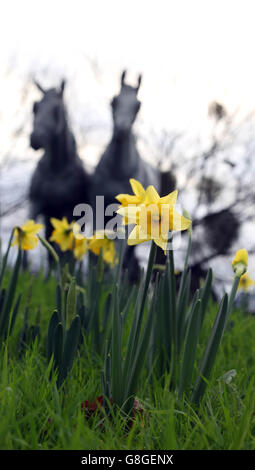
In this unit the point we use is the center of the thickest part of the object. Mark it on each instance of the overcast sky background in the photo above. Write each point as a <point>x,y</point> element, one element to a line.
<point>189,51</point>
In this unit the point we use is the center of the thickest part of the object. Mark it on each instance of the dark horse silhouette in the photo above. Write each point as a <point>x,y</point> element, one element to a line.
<point>59,181</point>
<point>121,160</point>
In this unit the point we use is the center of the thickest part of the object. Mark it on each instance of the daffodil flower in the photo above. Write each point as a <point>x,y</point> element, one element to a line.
<point>245,282</point>
<point>80,242</point>
<point>240,262</point>
<point>99,242</point>
<point>154,218</point>
<point>25,236</point>
<point>137,198</point>
<point>62,233</point>
<point>80,248</point>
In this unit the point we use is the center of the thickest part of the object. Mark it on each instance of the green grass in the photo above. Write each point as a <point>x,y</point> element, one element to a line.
<point>34,414</point>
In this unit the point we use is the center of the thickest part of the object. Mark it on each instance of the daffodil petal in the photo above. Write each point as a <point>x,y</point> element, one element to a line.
<point>241,256</point>
<point>65,241</point>
<point>31,227</point>
<point>80,248</point>
<point>151,196</point>
<point>126,199</point>
<point>179,222</point>
<point>170,199</point>
<point>162,243</point>
<point>129,213</point>
<point>60,224</point>
<point>137,187</point>
<point>136,236</point>
<point>245,282</point>
<point>77,232</point>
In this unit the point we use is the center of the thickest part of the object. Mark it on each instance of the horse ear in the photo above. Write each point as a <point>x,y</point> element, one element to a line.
<point>62,87</point>
<point>39,86</point>
<point>139,82</point>
<point>122,80</point>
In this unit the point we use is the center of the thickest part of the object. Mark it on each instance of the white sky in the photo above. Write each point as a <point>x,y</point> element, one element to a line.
<point>189,51</point>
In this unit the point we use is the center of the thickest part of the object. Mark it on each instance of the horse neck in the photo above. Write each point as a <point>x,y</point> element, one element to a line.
<point>124,156</point>
<point>61,150</point>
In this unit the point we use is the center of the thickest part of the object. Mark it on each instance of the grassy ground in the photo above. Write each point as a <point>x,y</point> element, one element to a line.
<point>34,414</point>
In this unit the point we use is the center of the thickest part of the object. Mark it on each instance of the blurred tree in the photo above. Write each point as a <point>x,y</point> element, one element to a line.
<point>216,183</point>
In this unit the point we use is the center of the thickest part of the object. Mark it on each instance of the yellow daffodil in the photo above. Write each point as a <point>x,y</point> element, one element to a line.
<point>245,282</point>
<point>80,247</point>
<point>99,242</point>
<point>80,242</point>
<point>62,233</point>
<point>136,198</point>
<point>240,262</point>
<point>25,236</point>
<point>154,218</point>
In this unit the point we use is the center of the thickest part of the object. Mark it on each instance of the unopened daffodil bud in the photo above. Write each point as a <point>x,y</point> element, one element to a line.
<point>240,262</point>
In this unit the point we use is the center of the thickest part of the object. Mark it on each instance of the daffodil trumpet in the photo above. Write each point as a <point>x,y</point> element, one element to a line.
<point>25,236</point>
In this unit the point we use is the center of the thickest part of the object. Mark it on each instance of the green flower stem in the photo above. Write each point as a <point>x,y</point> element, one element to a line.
<point>10,294</point>
<point>100,266</point>
<point>138,316</point>
<point>188,250</point>
<point>121,256</point>
<point>232,296</point>
<point>3,266</point>
<point>55,256</point>
<point>146,284</point>
<point>173,314</point>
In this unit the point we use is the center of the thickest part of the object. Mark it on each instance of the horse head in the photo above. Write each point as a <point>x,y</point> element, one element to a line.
<point>49,116</point>
<point>125,106</point>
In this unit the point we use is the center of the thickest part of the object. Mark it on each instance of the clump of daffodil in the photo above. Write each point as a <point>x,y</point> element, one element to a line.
<point>245,282</point>
<point>154,218</point>
<point>99,242</point>
<point>25,236</point>
<point>62,233</point>
<point>240,262</point>
<point>68,237</point>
